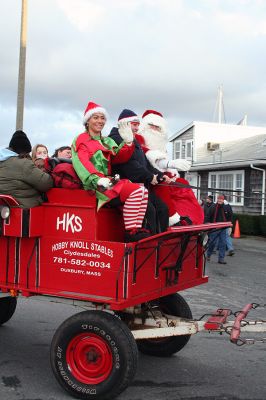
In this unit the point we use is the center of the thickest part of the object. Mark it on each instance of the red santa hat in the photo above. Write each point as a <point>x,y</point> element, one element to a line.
<point>154,118</point>
<point>93,108</point>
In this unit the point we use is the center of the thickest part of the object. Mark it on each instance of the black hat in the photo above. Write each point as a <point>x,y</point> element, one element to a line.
<point>20,143</point>
<point>210,197</point>
<point>128,115</point>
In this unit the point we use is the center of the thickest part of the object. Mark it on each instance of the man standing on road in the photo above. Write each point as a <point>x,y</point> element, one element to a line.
<point>229,243</point>
<point>207,204</point>
<point>218,213</point>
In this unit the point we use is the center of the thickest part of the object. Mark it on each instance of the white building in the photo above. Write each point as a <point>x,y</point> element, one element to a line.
<point>196,140</point>
<point>225,156</point>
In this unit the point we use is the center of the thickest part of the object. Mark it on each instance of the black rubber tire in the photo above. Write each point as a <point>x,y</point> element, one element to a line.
<point>122,355</point>
<point>176,305</point>
<point>7,308</point>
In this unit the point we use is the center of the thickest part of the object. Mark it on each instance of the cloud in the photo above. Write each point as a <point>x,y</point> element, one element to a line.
<point>243,25</point>
<point>85,15</point>
<point>169,55</point>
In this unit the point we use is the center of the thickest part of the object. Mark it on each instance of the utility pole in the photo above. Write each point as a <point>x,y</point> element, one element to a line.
<point>22,66</point>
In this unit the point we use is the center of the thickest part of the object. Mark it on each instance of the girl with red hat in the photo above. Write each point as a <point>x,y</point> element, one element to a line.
<point>93,156</point>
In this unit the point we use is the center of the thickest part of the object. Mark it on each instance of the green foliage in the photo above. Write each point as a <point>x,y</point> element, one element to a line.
<point>251,224</point>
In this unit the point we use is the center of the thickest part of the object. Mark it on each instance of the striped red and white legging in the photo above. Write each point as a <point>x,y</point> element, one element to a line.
<point>135,207</point>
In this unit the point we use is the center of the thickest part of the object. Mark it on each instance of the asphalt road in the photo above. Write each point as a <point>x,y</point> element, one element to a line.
<point>208,368</point>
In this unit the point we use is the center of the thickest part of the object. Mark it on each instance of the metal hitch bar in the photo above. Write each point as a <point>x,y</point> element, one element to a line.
<point>162,325</point>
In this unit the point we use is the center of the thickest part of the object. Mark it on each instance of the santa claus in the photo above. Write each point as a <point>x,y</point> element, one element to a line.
<point>180,200</point>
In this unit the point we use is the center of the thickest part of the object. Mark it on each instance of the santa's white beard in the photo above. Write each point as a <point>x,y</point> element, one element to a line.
<point>154,140</point>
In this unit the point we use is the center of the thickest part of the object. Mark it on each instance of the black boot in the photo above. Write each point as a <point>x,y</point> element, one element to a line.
<point>136,234</point>
<point>184,221</point>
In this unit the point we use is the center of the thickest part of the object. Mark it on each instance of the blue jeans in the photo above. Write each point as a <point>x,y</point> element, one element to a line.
<point>220,237</point>
<point>229,243</point>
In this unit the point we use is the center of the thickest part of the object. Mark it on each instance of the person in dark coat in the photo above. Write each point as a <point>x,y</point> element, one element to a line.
<point>19,177</point>
<point>218,212</point>
<point>139,170</point>
<point>206,207</point>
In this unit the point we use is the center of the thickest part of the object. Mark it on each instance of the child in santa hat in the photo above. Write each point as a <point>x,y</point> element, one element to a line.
<point>93,156</point>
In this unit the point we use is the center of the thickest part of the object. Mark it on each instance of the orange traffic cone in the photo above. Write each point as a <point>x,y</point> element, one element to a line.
<point>236,234</point>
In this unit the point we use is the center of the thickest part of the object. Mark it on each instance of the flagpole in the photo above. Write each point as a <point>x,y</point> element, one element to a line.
<point>22,67</point>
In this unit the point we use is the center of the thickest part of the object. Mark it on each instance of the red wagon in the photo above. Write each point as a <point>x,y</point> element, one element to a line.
<point>65,250</point>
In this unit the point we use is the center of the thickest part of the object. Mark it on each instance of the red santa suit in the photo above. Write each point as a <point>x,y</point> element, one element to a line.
<point>180,200</point>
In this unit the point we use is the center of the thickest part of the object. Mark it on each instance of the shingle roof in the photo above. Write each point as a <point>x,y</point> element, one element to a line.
<point>235,153</point>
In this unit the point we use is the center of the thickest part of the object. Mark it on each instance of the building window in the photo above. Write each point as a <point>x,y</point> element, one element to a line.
<point>239,186</point>
<point>177,149</point>
<point>189,150</point>
<point>230,180</point>
<point>213,182</point>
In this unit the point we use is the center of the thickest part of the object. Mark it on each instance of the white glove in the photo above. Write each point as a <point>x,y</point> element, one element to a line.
<point>104,182</point>
<point>162,164</point>
<point>125,131</point>
<point>179,164</point>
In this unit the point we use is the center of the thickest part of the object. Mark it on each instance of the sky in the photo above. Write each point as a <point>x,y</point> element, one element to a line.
<point>166,55</point>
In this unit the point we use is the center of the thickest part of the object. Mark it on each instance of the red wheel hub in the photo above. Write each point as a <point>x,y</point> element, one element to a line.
<point>89,358</point>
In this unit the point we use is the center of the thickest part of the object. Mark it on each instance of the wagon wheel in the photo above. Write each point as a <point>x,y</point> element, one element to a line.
<point>7,308</point>
<point>175,305</point>
<point>94,355</point>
